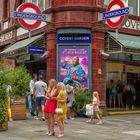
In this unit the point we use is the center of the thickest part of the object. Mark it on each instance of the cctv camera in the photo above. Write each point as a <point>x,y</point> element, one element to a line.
<point>104,54</point>
<point>46,53</point>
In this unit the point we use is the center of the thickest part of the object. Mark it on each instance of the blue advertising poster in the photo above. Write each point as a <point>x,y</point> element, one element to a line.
<point>74,64</point>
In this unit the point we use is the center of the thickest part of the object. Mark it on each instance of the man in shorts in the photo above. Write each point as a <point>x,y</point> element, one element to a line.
<point>39,96</point>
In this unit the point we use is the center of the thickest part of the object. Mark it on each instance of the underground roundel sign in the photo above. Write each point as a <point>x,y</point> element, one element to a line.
<point>29,16</point>
<point>115,14</point>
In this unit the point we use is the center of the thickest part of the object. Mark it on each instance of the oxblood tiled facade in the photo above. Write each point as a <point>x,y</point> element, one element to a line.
<point>68,14</point>
<point>79,14</point>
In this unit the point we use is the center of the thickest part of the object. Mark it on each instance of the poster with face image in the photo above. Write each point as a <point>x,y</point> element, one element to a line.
<point>74,65</point>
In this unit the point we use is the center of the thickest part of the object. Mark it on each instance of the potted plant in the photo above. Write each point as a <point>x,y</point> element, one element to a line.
<point>82,98</point>
<point>3,109</point>
<point>19,80</point>
<point>3,98</point>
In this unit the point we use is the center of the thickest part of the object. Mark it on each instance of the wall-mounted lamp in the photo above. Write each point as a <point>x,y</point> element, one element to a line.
<point>99,71</point>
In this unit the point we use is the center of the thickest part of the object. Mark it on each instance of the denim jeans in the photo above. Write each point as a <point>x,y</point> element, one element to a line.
<point>31,104</point>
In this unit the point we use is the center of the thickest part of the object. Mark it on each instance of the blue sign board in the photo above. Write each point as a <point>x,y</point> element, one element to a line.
<point>36,50</point>
<point>31,16</point>
<point>74,38</point>
<point>115,13</point>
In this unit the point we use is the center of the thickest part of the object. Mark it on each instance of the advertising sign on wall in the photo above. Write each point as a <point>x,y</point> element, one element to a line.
<point>132,24</point>
<point>30,16</point>
<point>74,38</point>
<point>74,65</point>
<point>116,13</point>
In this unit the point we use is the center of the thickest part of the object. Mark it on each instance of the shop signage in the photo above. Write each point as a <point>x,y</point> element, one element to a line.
<point>35,50</point>
<point>116,14</point>
<point>23,58</point>
<point>5,37</point>
<point>74,38</point>
<point>29,16</point>
<point>132,24</point>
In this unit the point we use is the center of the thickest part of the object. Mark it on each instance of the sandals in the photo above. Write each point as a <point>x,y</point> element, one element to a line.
<point>99,123</point>
<point>51,134</point>
<point>43,118</point>
<point>88,121</point>
<point>60,136</point>
<point>47,133</point>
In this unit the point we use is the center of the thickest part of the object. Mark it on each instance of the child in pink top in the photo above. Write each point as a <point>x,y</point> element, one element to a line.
<point>95,104</point>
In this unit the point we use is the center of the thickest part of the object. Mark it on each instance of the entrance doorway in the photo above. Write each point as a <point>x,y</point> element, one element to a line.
<point>115,72</point>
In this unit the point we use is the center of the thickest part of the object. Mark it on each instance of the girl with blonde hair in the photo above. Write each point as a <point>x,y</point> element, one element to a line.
<point>96,103</point>
<point>61,103</point>
<point>50,106</point>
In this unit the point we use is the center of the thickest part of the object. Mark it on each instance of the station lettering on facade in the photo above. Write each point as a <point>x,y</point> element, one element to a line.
<point>116,13</point>
<point>6,36</point>
<point>132,24</point>
<point>73,38</point>
<point>32,16</point>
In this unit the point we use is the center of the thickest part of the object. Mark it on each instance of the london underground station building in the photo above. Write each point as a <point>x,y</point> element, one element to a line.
<point>74,31</point>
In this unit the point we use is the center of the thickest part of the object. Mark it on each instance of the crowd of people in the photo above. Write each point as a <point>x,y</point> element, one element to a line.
<point>56,102</point>
<point>121,94</point>
<point>51,98</point>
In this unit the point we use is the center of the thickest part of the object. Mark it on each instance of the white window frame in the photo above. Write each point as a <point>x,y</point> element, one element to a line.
<point>37,3</point>
<point>5,25</point>
<point>138,7</point>
<point>45,3</point>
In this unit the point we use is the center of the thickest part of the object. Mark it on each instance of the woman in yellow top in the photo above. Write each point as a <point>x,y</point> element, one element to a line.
<point>61,103</point>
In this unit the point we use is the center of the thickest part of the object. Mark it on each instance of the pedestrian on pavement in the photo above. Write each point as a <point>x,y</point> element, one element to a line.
<point>8,91</point>
<point>39,96</point>
<point>31,101</point>
<point>70,98</point>
<point>128,95</point>
<point>113,93</point>
<point>62,104</point>
<point>51,103</point>
<point>96,103</point>
<point>120,89</point>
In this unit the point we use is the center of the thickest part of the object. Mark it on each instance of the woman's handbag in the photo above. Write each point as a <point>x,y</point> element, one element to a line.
<point>58,110</point>
<point>89,110</point>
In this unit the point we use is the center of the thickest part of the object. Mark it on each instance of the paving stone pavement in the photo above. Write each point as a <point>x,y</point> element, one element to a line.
<point>121,127</point>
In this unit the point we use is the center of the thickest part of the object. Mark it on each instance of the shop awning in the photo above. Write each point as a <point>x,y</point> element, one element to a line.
<point>21,47</point>
<point>124,43</point>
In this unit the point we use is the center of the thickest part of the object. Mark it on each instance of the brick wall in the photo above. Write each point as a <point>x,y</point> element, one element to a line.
<point>59,3</point>
<point>70,14</point>
<point>98,66</point>
<point>51,61</point>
